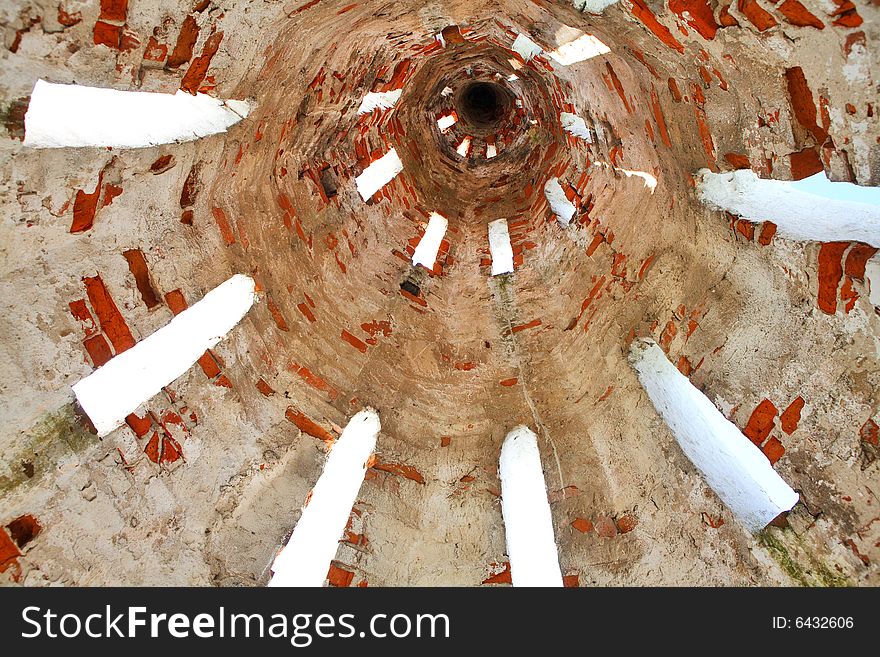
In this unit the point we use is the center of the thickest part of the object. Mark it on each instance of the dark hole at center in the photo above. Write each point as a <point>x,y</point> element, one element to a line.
<point>483,104</point>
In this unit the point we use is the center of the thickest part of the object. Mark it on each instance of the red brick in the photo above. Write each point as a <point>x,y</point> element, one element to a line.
<point>397,78</point>
<point>698,14</point>
<point>848,294</point>
<point>354,341</point>
<point>870,433</point>
<point>110,192</point>
<point>186,41</point>
<point>668,335</point>
<point>756,14</point>
<point>80,311</point>
<point>705,136</point>
<point>802,104</point>
<point>129,40</point>
<point>111,320</point>
<point>309,426</point>
<point>627,523</point>
<point>746,229</point>
<point>152,448</point>
<point>857,260</point>
<point>674,90</point>
<point>658,117</point>
<point>414,298</point>
<point>24,529</point>
<point>847,15</point>
<point>522,327</point>
<point>209,365</point>
<point>313,380</point>
<point>502,577</point>
<point>375,327</point>
<point>85,207</point>
<point>684,366</point>
<point>798,15</point>
<point>105,34</point>
<point>640,11</point>
<point>598,238</point>
<point>68,20</point>
<point>276,314</point>
<point>829,273</point>
<point>199,67</point>
<point>190,190</point>
<point>792,415</point>
<point>9,553</point>
<point>339,576</point>
<point>176,301</point>
<point>265,388</point>
<point>605,527</point>
<point>140,425</point>
<point>773,450</point>
<point>98,349</point>
<point>223,224</point>
<point>171,450</point>
<point>768,230</point>
<point>137,265</point>
<point>618,86</point>
<point>162,164</point>
<point>155,52</point>
<point>638,54</point>
<point>805,163</point>
<point>452,35</point>
<point>738,161</point>
<point>306,311</point>
<point>114,10</point>
<point>582,525</point>
<point>760,423</point>
<point>401,469</point>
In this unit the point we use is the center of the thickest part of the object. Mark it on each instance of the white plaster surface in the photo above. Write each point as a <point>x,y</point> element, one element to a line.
<point>575,125</point>
<point>499,247</point>
<point>528,524</point>
<point>72,115</point>
<point>730,463</point>
<point>379,100</point>
<point>797,214</point>
<point>559,203</point>
<point>378,174</point>
<point>306,558</point>
<point>426,252</point>
<point>129,379</point>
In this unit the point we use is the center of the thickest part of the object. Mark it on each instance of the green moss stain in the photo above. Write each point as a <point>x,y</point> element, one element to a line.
<point>796,559</point>
<point>38,449</point>
<point>502,283</point>
<point>539,137</point>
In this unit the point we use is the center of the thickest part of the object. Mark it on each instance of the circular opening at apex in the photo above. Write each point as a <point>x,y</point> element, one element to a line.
<point>483,104</point>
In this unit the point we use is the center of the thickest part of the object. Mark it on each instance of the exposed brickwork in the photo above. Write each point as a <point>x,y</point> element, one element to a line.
<point>760,422</point>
